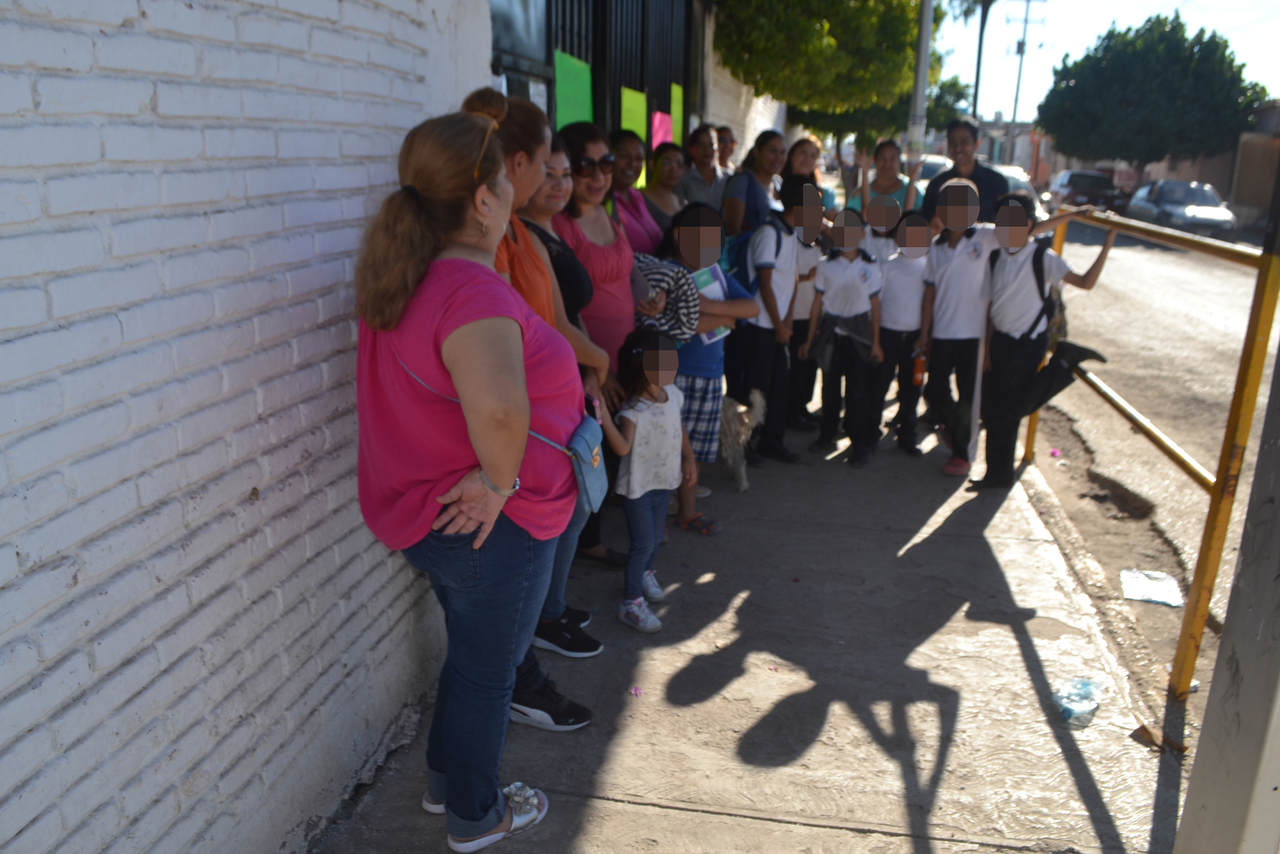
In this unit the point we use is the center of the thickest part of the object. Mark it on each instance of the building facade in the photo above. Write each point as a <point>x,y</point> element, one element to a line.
<point>202,648</point>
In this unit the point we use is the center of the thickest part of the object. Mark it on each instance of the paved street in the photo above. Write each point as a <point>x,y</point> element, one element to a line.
<point>861,662</point>
<point>1171,323</point>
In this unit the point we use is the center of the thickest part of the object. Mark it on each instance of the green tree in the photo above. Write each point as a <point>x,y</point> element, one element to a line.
<point>1148,93</point>
<point>877,120</point>
<point>965,9</point>
<point>819,55</point>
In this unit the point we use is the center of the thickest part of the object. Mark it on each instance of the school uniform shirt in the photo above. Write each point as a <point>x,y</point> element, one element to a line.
<point>807,258</point>
<point>903,293</point>
<point>654,461</point>
<point>1014,295</point>
<point>957,275</point>
<point>848,286</point>
<point>764,253</point>
<point>878,246</point>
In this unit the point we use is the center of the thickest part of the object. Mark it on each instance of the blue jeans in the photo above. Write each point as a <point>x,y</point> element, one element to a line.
<point>566,547</point>
<point>647,519</point>
<point>491,597</point>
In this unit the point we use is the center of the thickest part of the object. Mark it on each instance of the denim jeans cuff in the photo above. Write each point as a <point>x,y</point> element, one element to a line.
<point>436,784</point>
<point>461,828</point>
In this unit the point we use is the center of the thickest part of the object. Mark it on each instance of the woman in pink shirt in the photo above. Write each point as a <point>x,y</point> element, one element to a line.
<point>600,244</point>
<point>454,370</point>
<point>643,232</point>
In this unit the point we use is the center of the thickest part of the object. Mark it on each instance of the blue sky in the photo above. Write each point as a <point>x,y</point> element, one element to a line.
<point>1073,26</point>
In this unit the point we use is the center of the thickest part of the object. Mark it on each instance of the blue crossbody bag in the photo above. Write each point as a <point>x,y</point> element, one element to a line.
<point>583,450</point>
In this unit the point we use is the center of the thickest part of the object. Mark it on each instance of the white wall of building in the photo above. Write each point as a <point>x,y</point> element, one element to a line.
<point>201,645</point>
<point>731,102</point>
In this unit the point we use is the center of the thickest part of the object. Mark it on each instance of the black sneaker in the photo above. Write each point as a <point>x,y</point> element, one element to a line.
<point>778,452</point>
<point>752,458</point>
<point>911,449</point>
<point>823,446</point>
<point>859,459</point>
<point>575,617</point>
<point>548,709</point>
<point>565,638</point>
<point>801,425</point>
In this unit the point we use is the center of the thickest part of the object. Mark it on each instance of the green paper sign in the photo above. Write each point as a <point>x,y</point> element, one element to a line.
<point>635,118</point>
<point>573,90</point>
<point>677,112</point>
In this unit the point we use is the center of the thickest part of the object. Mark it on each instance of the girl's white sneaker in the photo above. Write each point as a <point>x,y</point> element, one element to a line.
<point>637,615</point>
<point>652,589</point>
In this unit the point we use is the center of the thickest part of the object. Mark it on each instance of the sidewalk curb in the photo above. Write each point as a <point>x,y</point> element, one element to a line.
<point>1114,615</point>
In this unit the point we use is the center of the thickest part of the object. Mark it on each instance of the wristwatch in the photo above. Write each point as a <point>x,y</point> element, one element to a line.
<point>505,493</point>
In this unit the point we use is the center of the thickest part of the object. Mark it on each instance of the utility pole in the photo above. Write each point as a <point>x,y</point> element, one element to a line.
<point>920,95</point>
<point>1017,90</point>
<point>977,74</point>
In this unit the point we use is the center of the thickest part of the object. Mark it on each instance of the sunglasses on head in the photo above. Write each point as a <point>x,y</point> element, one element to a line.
<point>587,165</point>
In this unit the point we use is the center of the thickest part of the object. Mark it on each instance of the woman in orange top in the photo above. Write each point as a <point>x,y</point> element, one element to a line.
<point>522,260</point>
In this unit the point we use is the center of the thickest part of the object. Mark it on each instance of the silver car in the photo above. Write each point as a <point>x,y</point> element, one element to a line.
<point>1019,180</point>
<point>1184,205</point>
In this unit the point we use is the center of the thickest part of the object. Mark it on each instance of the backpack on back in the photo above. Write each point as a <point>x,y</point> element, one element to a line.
<point>738,248</point>
<point>1049,302</point>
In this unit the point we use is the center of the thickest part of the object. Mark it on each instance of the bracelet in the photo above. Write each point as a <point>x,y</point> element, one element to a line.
<point>505,493</point>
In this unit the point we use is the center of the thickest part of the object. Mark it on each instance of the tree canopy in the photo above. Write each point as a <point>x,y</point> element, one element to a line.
<point>817,55</point>
<point>1148,93</point>
<point>880,120</point>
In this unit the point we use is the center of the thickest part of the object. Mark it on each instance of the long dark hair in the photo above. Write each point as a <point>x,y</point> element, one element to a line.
<point>631,374</point>
<point>786,167</point>
<point>577,136</point>
<point>762,140</point>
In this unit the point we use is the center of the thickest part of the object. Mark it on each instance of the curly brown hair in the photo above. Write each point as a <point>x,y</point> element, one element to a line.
<point>442,163</point>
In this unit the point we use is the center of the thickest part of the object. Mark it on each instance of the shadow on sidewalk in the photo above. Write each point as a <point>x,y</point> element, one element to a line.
<point>838,575</point>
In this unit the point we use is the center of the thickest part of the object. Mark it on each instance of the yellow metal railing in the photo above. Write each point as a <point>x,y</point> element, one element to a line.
<point>1222,486</point>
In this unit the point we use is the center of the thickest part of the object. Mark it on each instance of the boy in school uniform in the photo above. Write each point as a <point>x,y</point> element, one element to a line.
<point>1022,286</point>
<point>904,331</point>
<point>771,264</point>
<point>955,272</point>
<point>844,327</point>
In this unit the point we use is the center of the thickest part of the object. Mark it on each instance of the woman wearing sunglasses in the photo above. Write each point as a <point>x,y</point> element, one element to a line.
<point>643,233</point>
<point>600,244</point>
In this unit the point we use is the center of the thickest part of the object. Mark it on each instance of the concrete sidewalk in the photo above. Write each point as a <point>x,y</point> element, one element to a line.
<point>863,661</point>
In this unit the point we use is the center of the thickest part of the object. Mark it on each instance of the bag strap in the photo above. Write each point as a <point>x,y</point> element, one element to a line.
<point>1037,267</point>
<point>455,400</point>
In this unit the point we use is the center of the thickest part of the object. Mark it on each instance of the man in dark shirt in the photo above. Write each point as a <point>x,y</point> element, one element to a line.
<point>962,147</point>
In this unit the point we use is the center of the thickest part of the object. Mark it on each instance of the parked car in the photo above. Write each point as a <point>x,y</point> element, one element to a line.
<point>1019,180</point>
<point>933,164</point>
<point>1186,205</point>
<point>1076,187</point>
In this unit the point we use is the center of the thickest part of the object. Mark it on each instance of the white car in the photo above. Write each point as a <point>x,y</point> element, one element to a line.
<point>1019,180</point>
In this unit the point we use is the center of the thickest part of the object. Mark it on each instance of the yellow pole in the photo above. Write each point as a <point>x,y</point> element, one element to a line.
<point>1252,358</point>
<point>1033,422</point>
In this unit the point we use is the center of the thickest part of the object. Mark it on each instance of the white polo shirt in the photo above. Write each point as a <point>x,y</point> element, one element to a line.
<point>807,258</point>
<point>903,293</point>
<point>847,286</point>
<point>1013,293</point>
<point>957,275</point>
<point>878,247</point>
<point>763,252</point>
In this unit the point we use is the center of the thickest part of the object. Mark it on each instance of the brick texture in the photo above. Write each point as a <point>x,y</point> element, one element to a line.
<point>191,610</point>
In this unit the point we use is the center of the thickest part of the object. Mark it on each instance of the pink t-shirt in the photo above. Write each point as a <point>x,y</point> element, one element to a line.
<point>413,443</point>
<point>643,233</point>
<point>611,315</point>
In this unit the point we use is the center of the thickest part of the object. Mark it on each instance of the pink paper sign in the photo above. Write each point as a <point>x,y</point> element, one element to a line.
<point>661,130</point>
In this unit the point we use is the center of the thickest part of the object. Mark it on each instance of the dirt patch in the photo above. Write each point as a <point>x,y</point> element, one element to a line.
<point>1116,526</point>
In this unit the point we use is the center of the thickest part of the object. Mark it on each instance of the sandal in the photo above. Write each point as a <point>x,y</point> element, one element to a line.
<point>611,559</point>
<point>700,524</point>
<point>528,807</point>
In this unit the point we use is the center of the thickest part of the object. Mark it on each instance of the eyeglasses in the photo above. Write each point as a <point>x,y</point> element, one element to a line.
<point>492,124</point>
<point>587,166</point>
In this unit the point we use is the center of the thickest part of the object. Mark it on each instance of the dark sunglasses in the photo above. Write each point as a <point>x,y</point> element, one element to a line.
<point>587,166</point>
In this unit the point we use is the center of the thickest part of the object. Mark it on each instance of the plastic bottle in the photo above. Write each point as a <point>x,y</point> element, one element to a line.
<point>917,376</point>
<point>1078,700</point>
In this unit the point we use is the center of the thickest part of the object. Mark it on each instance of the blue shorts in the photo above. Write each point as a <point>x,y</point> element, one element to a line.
<point>701,414</point>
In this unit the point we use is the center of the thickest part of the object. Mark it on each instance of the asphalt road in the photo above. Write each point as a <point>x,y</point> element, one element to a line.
<point>1171,323</point>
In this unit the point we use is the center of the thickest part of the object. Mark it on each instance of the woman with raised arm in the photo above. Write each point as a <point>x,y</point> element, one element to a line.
<point>454,370</point>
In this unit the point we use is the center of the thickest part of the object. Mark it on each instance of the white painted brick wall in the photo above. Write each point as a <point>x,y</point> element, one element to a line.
<point>191,609</point>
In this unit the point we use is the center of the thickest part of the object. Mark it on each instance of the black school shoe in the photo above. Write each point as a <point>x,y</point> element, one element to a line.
<point>565,638</point>
<point>575,617</point>
<point>546,708</point>
<point>777,452</point>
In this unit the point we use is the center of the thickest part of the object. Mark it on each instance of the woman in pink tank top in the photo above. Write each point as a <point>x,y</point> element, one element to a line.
<point>600,244</point>
<point>454,370</point>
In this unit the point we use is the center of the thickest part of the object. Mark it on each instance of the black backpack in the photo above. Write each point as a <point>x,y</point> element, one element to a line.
<point>1050,303</point>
